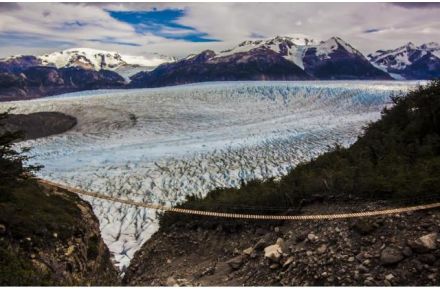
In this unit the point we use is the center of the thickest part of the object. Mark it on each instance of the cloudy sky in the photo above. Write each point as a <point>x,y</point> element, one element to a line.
<point>178,29</point>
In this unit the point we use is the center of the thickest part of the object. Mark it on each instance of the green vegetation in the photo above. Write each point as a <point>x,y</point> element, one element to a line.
<point>16,268</point>
<point>397,157</point>
<point>31,217</point>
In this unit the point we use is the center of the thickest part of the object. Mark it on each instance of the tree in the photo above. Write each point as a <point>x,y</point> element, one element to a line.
<point>13,167</point>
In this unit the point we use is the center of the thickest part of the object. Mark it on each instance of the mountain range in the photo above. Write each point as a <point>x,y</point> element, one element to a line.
<point>295,57</point>
<point>409,61</point>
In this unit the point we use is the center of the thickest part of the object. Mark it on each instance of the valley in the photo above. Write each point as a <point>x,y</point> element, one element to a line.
<point>162,145</point>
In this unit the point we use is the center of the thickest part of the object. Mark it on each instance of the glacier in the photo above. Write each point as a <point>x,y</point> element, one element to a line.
<point>162,145</point>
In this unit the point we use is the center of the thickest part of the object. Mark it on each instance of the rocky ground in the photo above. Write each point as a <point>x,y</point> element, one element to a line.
<point>384,251</point>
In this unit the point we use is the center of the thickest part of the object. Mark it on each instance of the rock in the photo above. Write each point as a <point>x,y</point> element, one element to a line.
<point>311,237</point>
<point>273,252</point>
<point>236,263</point>
<point>362,269</point>
<point>2,229</point>
<point>274,266</point>
<point>40,266</point>
<point>261,244</point>
<point>280,242</point>
<point>389,277</point>
<point>351,259</point>
<point>208,271</point>
<point>288,262</point>
<point>260,231</point>
<point>424,243</point>
<point>248,251</point>
<point>391,255</point>
<point>301,237</point>
<point>171,282</point>
<point>276,229</point>
<point>427,259</point>
<point>407,252</point>
<point>183,282</point>
<point>322,249</point>
<point>368,282</point>
<point>70,250</point>
<point>364,226</point>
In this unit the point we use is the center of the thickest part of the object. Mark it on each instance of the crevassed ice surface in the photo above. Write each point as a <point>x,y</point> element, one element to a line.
<point>161,145</point>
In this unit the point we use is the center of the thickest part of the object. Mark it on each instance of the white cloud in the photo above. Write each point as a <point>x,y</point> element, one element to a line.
<point>59,23</point>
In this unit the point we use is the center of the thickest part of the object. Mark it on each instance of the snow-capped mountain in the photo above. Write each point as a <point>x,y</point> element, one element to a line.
<point>336,59</point>
<point>290,47</point>
<point>88,58</point>
<point>410,61</point>
<point>279,58</point>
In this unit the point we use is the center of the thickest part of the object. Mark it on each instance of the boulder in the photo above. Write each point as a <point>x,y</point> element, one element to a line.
<point>288,262</point>
<point>322,249</point>
<point>391,255</point>
<point>424,243</point>
<point>236,263</point>
<point>248,251</point>
<point>280,242</point>
<point>274,252</point>
<point>312,237</point>
<point>171,282</point>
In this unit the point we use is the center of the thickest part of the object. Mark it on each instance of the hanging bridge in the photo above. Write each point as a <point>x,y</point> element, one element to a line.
<point>348,215</point>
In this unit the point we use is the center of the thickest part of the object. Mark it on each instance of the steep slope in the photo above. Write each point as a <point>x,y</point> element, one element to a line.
<point>410,61</point>
<point>382,251</point>
<point>336,59</point>
<point>290,47</point>
<point>256,64</point>
<point>18,64</point>
<point>50,237</point>
<point>39,81</point>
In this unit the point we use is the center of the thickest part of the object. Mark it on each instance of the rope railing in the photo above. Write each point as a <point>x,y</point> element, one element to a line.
<point>244,216</point>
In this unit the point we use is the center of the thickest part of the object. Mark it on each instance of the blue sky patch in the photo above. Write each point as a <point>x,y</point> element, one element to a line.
<point>161,23</point>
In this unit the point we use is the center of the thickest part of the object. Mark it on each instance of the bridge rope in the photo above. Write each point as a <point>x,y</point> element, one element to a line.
<point>243,216</point>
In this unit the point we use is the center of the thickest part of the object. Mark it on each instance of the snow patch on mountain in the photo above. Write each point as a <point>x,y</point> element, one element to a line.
<point>396,60</point>
<point>325,48</point>
<point>290,47</point>
<point>162,145</point>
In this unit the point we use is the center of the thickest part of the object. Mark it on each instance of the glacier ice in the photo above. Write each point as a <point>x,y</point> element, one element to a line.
<point>161,145</point>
